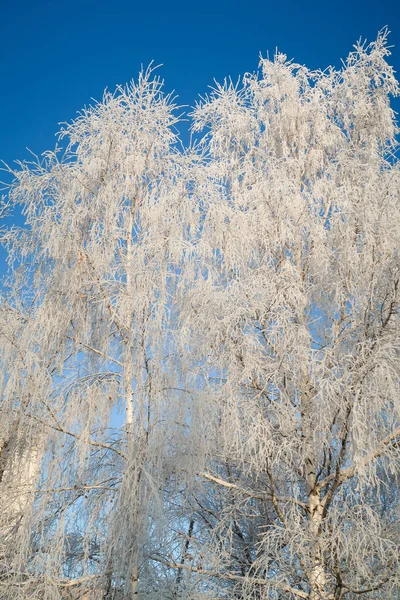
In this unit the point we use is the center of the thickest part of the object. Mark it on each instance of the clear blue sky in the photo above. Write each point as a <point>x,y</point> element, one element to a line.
<point>56,55</point>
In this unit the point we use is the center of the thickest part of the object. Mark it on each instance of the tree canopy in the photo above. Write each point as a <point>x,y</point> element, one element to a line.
<point>199,347</point>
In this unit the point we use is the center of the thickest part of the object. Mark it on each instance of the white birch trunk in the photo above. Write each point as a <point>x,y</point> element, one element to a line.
<point>317,576</point>
<point>20,475</point>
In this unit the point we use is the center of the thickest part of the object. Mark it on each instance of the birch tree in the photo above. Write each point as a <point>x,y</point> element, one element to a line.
<point>294,316</point>
<point>100,251</point>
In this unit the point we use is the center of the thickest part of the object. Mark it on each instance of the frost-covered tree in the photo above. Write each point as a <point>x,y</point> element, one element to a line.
<point>209,341</point>
<point>294,325</point>
<point>100,256</point>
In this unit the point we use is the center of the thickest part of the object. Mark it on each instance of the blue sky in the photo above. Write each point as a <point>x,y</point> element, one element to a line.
<point>57,55</point>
